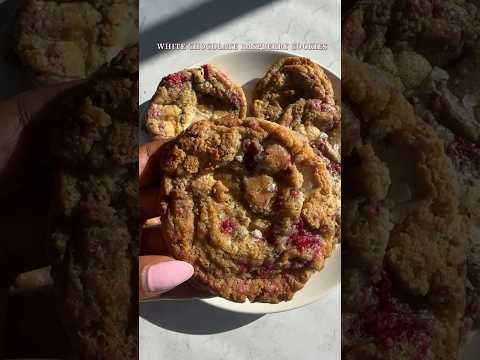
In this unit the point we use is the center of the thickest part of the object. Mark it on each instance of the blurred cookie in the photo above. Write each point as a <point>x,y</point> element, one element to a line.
<point>68,40</point>
<point>250,205</point>
<point>404,297</point>
<point>191,95</point>
<point>94,222</point>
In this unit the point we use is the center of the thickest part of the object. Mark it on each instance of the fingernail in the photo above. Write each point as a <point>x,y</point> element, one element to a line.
<point>166,275</point>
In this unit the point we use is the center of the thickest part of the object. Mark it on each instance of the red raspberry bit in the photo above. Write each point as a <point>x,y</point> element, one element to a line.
<point>244,268</point>
<point>322,147</point>
<point>335,168</point>
<point>176,79</point>
<point>227,226</point>
<point>319,105</point>
<point>206,71</point>
<point>464,149</point>
<point>393,324</point>
<point>372,210</point>
<point>303,240</point>
<point>294,192</point>
<point>235,101</point>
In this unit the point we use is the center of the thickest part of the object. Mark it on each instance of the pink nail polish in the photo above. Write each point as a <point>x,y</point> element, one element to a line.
<point>166,275</point>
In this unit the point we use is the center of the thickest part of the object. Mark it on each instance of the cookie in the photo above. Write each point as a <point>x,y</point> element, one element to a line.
<point>288,80</point>
<point>297,93</point>
<point>191,95</point>
<point>94,223</point>
<point>440,31</point>
<point>250,206</point>
<point>403,297</point>
<point>319,122</point>
<point>429,51</point>
<point>69,40</point>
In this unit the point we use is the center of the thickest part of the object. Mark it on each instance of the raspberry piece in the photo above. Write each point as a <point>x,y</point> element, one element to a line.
<point>294,192</point>
<point>206,71</point>
<point>175,79</point>
<point>392,324</point>
<point>303,240</point>
<point>335,168</point>
<point>321,148</point>
<point>227,226</point>
<point>234,100</point>
<point>319,105</point>
<point>372,210</point>
<point>464,149</point>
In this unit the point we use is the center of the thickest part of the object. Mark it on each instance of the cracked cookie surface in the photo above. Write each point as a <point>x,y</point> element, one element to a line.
<point>428,50</point>
<point>403,296</point>
<point>192,95</point>
<point>250,206</point>
<point>297,93</point>
<point>94,225</point>
<point>69,40</point>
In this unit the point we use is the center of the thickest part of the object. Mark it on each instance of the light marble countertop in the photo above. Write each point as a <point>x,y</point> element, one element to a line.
<point>182,330</point>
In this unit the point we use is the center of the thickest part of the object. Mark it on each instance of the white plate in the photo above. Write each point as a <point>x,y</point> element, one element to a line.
<point>246,68</point>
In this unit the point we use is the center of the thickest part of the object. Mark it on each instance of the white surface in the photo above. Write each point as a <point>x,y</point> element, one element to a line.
<point>192,329</point>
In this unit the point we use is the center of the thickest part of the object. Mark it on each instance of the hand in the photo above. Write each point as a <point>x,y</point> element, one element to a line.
<point>158,274</point>
<point>29,327</point>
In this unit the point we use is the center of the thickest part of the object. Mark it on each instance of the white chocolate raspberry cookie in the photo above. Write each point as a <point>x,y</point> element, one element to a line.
<point>250,206</point>
<point>297,93</point>
<point>192,95</point>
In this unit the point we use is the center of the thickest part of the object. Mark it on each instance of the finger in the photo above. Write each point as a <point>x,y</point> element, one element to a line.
<point>33,102</point>
<point>24,232</point>
<point>34,328</point>
<point>34,279</point>
<point>151,242</point>
<point>149,203</point>
<point>148,169</point>
<point>159,274</point>
<point>25,121</point>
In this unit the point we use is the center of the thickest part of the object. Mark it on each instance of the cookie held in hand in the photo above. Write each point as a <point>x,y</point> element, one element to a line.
<point>250,206</point>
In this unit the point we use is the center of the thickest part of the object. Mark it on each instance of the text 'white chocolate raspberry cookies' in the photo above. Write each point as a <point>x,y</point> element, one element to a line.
<point>249,204</point>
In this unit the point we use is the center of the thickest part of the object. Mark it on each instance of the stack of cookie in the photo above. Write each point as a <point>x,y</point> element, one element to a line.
<point>253,203</point>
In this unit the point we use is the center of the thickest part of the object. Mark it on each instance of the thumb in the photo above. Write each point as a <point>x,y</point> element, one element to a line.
<point>159,274</point>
